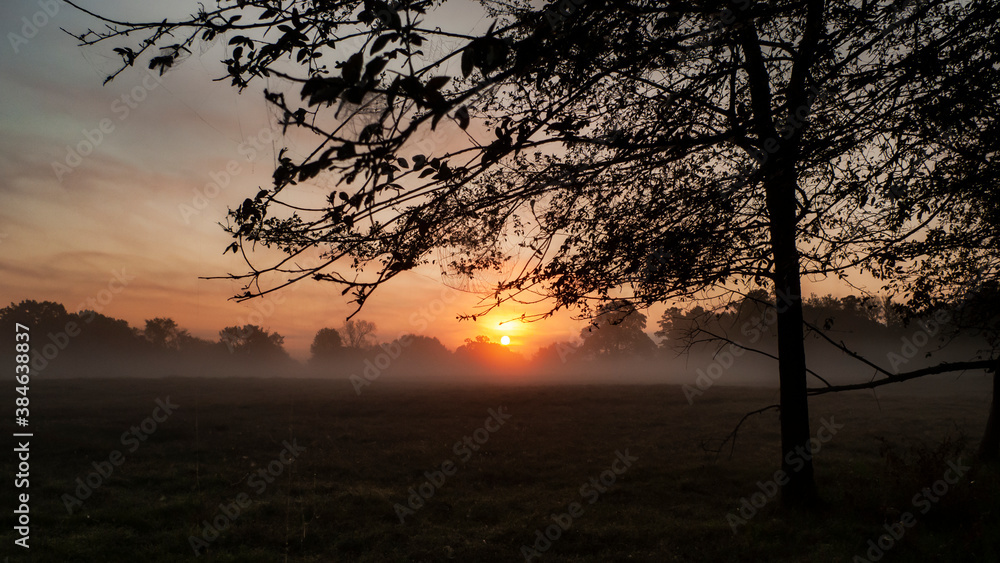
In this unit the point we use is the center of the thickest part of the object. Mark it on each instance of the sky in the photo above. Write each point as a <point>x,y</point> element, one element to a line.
<point>108,197</point>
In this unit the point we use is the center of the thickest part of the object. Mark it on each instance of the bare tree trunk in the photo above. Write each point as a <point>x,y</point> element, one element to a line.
<point>796,456</point>
<point>989,448</point>
<point>778,164</point>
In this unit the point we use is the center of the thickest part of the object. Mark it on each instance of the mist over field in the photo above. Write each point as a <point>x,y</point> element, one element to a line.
<point>545,281</point>
<point>697,350</point>
<point>406,450</point>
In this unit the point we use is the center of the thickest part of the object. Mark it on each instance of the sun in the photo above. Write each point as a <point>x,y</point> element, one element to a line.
<point>505,340</point>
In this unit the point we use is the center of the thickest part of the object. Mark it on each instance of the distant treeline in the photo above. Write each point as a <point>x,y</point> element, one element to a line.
<point>89,344</point>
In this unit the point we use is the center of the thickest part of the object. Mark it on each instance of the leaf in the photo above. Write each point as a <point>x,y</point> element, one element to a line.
<point>380,43</point>
<point>164,62</point>
<point>369,131</point>
<point>437,82</point>
<point>321,89</point>
<point>402,162</point>
<point>355,95</point>
<point>374,67</point>
<point>444,172</point>
<point>427,172</point>
<point>346,151</point>
<point>462,115</point>
<point>411,85</point>
<point>390,96</point>
<point>352,68</point>
<point>468,62</point>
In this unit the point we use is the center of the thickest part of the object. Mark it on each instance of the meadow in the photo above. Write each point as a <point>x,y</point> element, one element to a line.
<point>309,471</point>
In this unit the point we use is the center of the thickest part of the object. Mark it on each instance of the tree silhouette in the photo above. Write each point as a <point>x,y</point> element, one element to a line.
<point>164,334</point>
<point>654,150</point>
<point>358,334</point>
<point>954,268</point>
<point>617,331</point>
<point>424,349</point>
<point>326,346</point>
<point>50,326</point>
<point>483,352</point>
<point>253,342</point>
<point>556,354</point>
<point>957,263</point>
<point>42,316</point>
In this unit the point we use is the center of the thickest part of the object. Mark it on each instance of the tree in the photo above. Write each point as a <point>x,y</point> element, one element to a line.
<point>164,334</point>
<point>617,331</point>
<point>423,349</point>
<point>637,150</point>
<point>956,265</point>
<point>51,331</point>
<point>41,316</point>
<point>952,270</point>
<point>359,335</point>
<point>484,353</point>
<point>556,353</point>
<point>326,346</point>
<point>253,342</point>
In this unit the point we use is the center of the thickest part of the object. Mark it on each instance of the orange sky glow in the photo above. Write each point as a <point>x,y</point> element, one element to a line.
<point>110,199</point>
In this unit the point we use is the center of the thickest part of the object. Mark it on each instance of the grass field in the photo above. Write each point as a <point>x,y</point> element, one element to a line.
<point>336,500</point>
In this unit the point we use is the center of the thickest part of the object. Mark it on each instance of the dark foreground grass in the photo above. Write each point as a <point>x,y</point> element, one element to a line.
<point>363,454</point>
